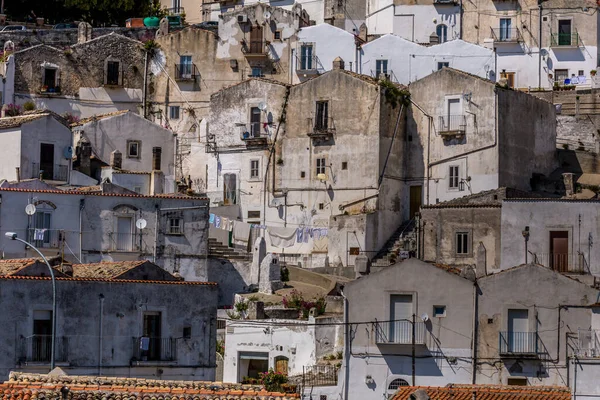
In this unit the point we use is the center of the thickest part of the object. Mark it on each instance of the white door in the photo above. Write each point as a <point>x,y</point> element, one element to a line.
<point>454,113</point>
<point>518,331</point>
<point>124,236</point>
<point>401,310</point>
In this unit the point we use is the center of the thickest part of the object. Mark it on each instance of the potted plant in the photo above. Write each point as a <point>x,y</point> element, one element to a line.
<point>593,72</point>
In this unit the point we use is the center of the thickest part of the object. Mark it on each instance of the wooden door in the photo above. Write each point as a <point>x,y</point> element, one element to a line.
<point>416,193</point>
<point>559,251</point>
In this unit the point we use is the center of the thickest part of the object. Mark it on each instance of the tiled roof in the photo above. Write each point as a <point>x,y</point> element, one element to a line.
<point>487,392</point>
<point>84,121</point>
<point>473,200</point>
<point>11,266</point>
<point>22,386</point>
<point>58,191</point>
<point>13,122</point>
<point>104,270</point>
<point>42,278</point>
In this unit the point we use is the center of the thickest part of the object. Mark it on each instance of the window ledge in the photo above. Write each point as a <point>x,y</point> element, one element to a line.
<point>153,363</point>
<point>110,86</point>
<point>174,234</point>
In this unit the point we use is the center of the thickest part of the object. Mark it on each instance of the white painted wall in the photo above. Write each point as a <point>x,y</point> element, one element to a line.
<point>10,152</point>
<point>410,61</point>
<point>8,81</point>
<point>314,8</point>
<point>129,181</point>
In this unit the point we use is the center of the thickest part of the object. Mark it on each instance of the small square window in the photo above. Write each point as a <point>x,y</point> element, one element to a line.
<point>344,165</point>
<point>302,174</point>
<point>442,65</point>
<point>112,73</point>
<point>257,72</point>
<point>174,112</point>
<point>187,332</point>
<point>137,189</point>
<point>175,226</point>
<point>321,206</point>
<point>277,35</point>
<point>439,311</point>
<point>254,169</point>
<point>462,243</point>
<point>580,73</point>
<point>253,214</point>
<point>517,381</point>
<point>133,149</point>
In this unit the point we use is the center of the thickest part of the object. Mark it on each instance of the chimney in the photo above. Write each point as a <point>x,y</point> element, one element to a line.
<point>156,158</point>
<point>116,159</point>
<point>156,182</point>
<point>480,261</point>
<point>85,162</point>
<point>84,32</point>
<point>363,32</point>
<point>568,181</point>
<point>18,174</point>
<point>338,63</point>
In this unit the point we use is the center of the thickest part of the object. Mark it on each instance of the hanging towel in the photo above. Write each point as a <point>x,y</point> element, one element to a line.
<point>282,237</point>
<point>217,221</point>
<point>300,235</point>
<point>144,343</point>
<point>307,234</point>
<point>224,223</point>
<point>211,219</point>
<point>241,231</point>
<point>39,234</point>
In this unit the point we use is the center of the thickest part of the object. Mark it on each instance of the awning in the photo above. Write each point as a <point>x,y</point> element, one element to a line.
<point>254,355</point>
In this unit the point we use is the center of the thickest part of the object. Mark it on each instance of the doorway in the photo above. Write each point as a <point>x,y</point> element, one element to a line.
<point>518,328</point>
<point>124,234</point>
<point>152,331</point>
<point>252,363</point>
<point>47,160</point>
<point>416,193</point>
<point>41,341</point>
<point>401,310</point>
<point>559,251</point>
<point>564,32</point>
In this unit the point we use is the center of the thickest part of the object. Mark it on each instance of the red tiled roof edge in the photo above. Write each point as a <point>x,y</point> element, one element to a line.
<point>46,278</point>
<point>103,194</point>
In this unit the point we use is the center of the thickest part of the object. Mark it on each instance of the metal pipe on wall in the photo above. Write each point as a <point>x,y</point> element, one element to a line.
<point>100,333</point>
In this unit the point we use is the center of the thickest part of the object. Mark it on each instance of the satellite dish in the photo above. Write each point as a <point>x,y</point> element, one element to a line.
<point>30,209</point>
<point>107,258</point>
<point>68,152</point>
<point>276,202</point>
<point>425,317</point>
<point>141,223</point>
<point>267,14</point>
<point>262,106</point>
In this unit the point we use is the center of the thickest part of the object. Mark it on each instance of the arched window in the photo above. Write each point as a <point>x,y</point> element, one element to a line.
<point>442,32</point>
<point>396,383</point>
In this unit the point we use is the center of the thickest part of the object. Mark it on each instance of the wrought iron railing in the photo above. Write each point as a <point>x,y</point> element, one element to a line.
<point>319,126</point>
<point>38,348</point>
<point>507,35</point>
<point>452,123</point>
<point>399,332</point>
<point>588,344</point>
<point>254,47</point>
<point>307,63</point>
<point>124,241</point>
<point>252,131</point>
<point>320,375</point>
<point>58,172</point>
<point>175,10</point>
<point>45,238</point>
<point>520,343</point>
<point>565,39</point>
<point>571,263</point>
<point>154,349</point>
<point>186,72</point>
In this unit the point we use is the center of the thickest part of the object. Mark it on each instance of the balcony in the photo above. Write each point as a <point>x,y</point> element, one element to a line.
<point>321,128</point>
<point>451,126</point>
<point>154,349</point>
<point>565,40</point>
<point>124,241</point>
<point>564,263</point>
<point>445,2</point>
<point>588,345</point>
<point>50,172</point>
<point>254,48</point>
<point>506,35</point>
<point>45,238</point>
<point>307,64</point>
<point>175,11</point>
<point>399,332</point>
<point>38,349</point>
<point>50,90</point>
<point>520,344</point>
<point>253,134</point>
<point>186,72</point>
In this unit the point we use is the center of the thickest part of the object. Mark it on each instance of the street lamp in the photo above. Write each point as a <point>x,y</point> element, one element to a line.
<point>13,236</point>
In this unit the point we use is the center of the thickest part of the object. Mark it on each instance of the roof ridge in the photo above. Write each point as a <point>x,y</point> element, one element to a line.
<point>108,280</point>
<point>69,192</point>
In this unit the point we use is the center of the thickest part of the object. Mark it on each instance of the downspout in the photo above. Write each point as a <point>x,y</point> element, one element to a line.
<point>81,207</point>
<point>460,28</point>
<point>475,330</point>
<point>155,233</point>
<point>145,90</point>
<point>347,346</point>
<point>100,338</point>
<point>540,46</point>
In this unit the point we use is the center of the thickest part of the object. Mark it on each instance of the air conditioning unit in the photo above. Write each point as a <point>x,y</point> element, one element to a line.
<point>242,18</point>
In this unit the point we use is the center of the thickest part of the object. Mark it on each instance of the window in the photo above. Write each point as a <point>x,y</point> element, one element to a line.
<point>302,174</point>
<point>320,165</point>
<point>439,311</point>
<point>133,149</point>
<point>321,206</point>
<point>42,224</point>
<point>565,30</point>
<point>254,172</point>
<point>175,226</point>
<point>517,382</point>
<point>41,340</point>
<point>123,237</point>
<point>397,383</point>
<point>443,64</point>
<point>509,76</point>
<point>322,115</point>
<point>50,80</point>
<point>112,73</point>
<point>560,75</point>
<point>174,112</point>
<point>137,189</point>
<point>580,73</point>
<point>381,67</point>
<point>229,189</point>
<point>277,35</point>
<point>185,67</point>
<point>454,177</point>
<point>187,332</point>
<point>462,243</point>
<point>442,32</point>
<point>253,214</point>
<point>505,29</point>
<point>344,165</point>
<point>306,57</point>
<point>256,72</point>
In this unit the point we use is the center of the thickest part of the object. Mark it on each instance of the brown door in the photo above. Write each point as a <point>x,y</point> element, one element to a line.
<point>416,193</point>
<point>256,40</point>
<point>559,251</point>
<point>281,365</point>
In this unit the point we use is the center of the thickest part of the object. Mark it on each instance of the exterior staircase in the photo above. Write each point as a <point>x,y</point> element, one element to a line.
<point>217,249</point>
<point>404,239</point>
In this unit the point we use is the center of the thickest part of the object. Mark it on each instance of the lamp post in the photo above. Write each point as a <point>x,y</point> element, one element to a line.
<point>13,236</point>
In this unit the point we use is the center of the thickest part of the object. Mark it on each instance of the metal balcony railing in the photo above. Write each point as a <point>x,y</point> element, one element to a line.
<point>45,238</point>
<point>320,126</point>
<point>506,35</point>
<point>154,349</point>
<point>452,2</point>
<point>307,63</point>
<point>565,40</point>
<point>452,124</point>
<point>186,72</point>
<point>56,173</point>
<point>320,375</point>
<point>524,343</point>
<point>588,344</point>
<point>124,241</point>
<point>254,47</point>
<point>565,263</point>
<point>38,348</point>
<point>252,131</point>
<point>399,332</point>
<point>175,10</point>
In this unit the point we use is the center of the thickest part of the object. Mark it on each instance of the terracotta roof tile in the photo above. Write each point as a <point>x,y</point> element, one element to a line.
<point>41,278</point>
<point>9,267</point>
<point>13,122</point>
<point>84,121</point>
<point>104,270</point>
<point>487,392</point>
<point>70,192</point>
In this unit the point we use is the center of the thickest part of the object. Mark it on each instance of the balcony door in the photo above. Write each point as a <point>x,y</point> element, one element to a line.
<point>559,251</point>
<point>505,25</point>
<point>42,223</point>
<point>47,160</point>
<point>124,234</point>
<point>151,349</point>
<point>256,39</point>
<point>306,57</point>
<point>564,32</point>
<point>255,122</point>
<point>518,328</point>
<point>401,310</point>
<point>41,341</point>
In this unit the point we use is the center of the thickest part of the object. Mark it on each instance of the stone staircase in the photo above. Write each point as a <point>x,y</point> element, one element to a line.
<point>403,239</point>
<point>217,249</point>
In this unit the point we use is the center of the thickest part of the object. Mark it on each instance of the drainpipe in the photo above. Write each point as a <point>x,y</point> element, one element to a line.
<point>347,351</point>
<point>414,369</point>
<point>155,233</point>
<point>460,29</point>
<point>540,46</point>
<point>475,330</point>
<point>81,207</point>
<point>145,91</point>
<point>101,297</point>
